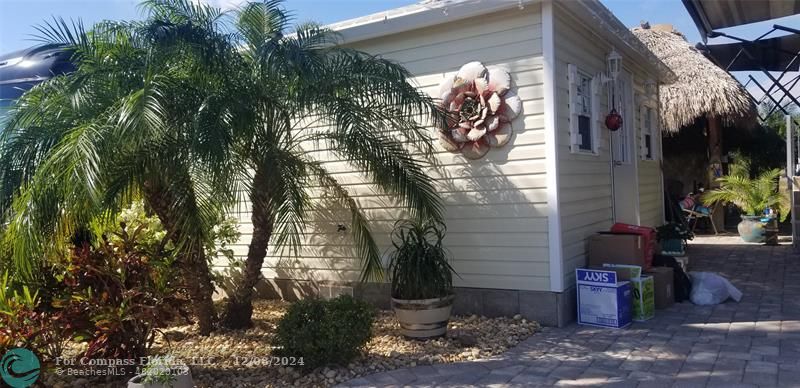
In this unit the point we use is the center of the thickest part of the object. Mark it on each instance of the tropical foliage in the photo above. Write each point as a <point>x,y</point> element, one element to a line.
<point>305,91</point>
<point>419,266</point>
<point>20,324</point>
<point>133,121</point>
<point>751,191</point>
<point>118,293</point>
<point>190,110</point>
<point>113,292</point>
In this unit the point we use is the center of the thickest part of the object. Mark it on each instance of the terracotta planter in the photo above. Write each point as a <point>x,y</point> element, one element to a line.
<point>423,318</point>
<point>181,379</point>
<point>751,229</point>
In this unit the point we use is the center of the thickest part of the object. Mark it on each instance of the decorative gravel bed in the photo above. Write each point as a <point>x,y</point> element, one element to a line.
<point>242,358</point>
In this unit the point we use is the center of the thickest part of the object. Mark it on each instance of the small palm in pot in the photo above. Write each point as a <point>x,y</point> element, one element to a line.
<point>422,278</point>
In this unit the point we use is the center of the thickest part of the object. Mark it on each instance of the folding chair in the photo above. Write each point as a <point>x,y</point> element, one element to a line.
<point>693,215</point>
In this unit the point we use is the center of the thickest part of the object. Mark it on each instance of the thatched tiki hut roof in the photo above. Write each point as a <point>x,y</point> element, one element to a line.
<point>702,88</point>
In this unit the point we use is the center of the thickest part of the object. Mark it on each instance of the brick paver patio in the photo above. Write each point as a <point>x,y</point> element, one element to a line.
<point>753,343</point>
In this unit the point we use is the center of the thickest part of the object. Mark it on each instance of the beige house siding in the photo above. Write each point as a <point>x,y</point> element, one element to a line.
<point>585,185</point>
<point>651,190</point>
<point>651,204</point>
<point>651,199</point>
<point>496,207</point>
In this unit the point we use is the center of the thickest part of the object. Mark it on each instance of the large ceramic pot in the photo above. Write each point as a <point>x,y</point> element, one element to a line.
<point>751,229</point>
<point>423,318</point>
<point>181,378</point>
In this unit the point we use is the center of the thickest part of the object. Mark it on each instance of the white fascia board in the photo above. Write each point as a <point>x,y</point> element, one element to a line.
<point>555,237</point>
<point>418,16</point>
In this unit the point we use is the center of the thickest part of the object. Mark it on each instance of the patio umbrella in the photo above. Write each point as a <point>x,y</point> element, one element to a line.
<point>702,89</point>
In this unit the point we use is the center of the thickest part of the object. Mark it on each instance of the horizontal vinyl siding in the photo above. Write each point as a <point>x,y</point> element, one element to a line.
<point>651,203</point>
<point>585,179</point>
<point>495,207</point>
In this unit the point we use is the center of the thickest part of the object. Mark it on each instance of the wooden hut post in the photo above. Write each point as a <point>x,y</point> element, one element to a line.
<point>715,163</point>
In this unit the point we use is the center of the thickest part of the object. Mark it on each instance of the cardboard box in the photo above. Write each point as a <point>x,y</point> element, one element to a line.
<point>664,283</point>
<point>606,248</point>
<point>624,271</point>
<point>648,239</point>
<point>603,300</point>
<point>644,307</point>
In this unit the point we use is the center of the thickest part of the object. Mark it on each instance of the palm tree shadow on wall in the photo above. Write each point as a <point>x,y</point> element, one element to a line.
<point>472,190</point>
<point>326,257</point>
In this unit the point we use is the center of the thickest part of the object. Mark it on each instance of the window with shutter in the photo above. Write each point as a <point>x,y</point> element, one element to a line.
<point>582,108</point>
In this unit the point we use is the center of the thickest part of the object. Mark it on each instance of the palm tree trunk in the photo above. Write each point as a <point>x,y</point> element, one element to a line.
<point>239,309</point>
<point>192,262</point>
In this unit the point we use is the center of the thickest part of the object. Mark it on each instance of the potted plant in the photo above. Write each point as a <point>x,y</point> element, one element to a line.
<point>752,196</point>
<point>672,237</point>
<point>163,372</point>
<point>422,278</point>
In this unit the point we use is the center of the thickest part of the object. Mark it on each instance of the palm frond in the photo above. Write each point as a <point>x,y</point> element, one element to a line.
<point>384,160</point>
<point>752,195</point>
<point>261,24</point>
<point>366,248</point>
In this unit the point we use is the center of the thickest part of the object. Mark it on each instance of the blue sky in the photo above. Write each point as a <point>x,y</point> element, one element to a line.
<point>17,17</point>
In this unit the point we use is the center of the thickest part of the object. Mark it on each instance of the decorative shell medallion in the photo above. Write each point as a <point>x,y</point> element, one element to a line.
<point>483,103</point>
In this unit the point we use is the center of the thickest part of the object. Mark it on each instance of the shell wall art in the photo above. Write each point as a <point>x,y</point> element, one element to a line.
<point>483,103</point>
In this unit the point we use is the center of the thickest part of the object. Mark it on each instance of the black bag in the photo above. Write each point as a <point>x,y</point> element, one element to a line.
<point>682,283</point>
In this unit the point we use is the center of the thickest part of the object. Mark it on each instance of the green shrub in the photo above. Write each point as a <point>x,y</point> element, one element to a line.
<point>324,332</point>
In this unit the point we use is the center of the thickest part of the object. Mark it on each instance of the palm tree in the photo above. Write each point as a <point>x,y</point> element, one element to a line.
<point>179,112</point>
<point>139,118</point>
<point>751,195</point>
<point>364,111</point>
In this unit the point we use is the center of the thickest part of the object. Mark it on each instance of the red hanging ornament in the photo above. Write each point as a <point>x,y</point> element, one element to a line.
<point>613,120</point>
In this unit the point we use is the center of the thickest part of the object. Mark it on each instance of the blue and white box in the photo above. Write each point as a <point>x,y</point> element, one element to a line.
<point>602,301</point>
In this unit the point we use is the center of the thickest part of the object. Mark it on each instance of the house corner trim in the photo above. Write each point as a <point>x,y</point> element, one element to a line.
<point>551,140</point>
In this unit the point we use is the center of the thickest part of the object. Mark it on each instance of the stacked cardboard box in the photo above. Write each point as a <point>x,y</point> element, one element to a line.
<point>624,255</point>
<point>603,299</point>
<point>642,287</point>
<point>663,283</point>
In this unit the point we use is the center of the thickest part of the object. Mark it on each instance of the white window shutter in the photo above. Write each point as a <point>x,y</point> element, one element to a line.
<point>655,131</point>
<point>596,119</point>
<point>572,77</point>
<point>642,132</point>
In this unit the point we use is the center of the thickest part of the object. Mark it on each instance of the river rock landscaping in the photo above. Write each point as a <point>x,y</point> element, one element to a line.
<point>243,358</point>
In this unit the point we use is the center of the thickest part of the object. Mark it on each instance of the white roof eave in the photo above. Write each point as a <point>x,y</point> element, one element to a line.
<point>416,16</point>
<point>431,13</point>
